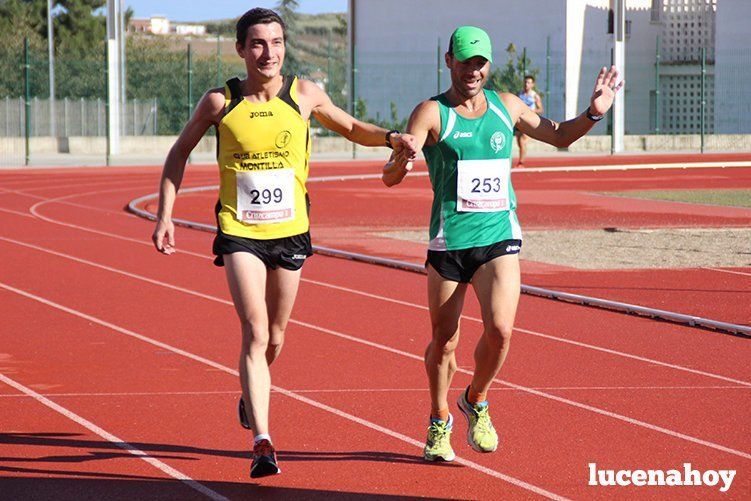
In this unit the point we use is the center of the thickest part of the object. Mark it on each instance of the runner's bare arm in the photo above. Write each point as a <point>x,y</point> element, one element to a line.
<point>539,109</point>
<point>565,133</point>
<point>424,125</point>
<point>317,103</point>
<point>207,113</point>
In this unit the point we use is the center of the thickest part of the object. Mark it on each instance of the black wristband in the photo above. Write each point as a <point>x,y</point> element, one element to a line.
<point>388,137</point>
<point>594,118</point>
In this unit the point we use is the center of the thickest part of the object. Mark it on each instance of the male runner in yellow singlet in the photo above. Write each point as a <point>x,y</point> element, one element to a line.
<point>263,136</point>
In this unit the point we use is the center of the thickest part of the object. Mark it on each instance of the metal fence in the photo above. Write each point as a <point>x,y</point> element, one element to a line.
<point>678,97</point>
<point>163,84</point>
<point>76,117</point>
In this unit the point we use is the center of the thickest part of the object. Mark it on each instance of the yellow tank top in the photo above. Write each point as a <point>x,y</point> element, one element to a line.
<point>263,150</point>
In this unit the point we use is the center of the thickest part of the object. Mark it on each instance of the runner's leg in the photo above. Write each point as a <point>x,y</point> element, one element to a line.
<point>445,300</point>
<point>246,277</point>
<point>522,139</point>
<point>281,290</point>
<point>497,284</point>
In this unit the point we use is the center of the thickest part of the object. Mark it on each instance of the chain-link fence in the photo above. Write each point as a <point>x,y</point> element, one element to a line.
<point>702,94</point>
<point>660,97</point>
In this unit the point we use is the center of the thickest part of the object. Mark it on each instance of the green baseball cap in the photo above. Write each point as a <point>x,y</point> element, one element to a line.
<point>470,41</point>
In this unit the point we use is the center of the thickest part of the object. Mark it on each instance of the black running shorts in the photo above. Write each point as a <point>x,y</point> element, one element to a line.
<point>289,253</point>
<point>461,265</point>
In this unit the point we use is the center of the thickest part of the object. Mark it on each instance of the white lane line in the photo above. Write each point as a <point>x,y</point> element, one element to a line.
<point>159,465</point>
<point>132,394</point>
<point>35,212</point>
<point>539,393</point>
<point>549,396</point>
<point>470,464</point>
<point>372,296</point>
<point>63,200</point>
<point>26,191</point>
<point>546,336</point>
<point>581,168</point>
<point>16,213</point>
<point>404,438</point>
<point>727,271</point>
<point>43,183</point>
<point>535,392</point>
<point>117,270</point>
<point>389,349</point>
<point>653,166</point>
<point>376,390</point>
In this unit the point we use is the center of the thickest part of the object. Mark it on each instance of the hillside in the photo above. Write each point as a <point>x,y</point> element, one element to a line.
<point>321,40</point>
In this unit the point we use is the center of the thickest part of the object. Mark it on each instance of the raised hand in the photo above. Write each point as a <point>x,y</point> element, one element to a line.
<point>605,89</point>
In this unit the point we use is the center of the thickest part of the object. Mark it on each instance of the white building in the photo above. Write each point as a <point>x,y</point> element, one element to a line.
<point>159,25</point>
<point>190,29</point>
<point>732,93</point>
<point>398,48</point>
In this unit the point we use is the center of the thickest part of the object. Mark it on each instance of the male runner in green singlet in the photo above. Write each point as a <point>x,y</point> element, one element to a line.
<point>466,135</point>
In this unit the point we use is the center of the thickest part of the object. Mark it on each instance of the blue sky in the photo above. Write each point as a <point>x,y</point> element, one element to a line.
<point>182,10</point>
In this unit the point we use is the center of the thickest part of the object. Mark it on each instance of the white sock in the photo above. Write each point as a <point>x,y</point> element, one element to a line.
<point>261,436</point>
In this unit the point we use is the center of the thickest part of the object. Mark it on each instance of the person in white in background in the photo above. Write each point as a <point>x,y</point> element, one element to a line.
<point>531,99</point>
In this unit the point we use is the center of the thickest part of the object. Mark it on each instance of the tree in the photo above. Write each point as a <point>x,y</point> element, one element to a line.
<point>510,78</point>
<point>23,18</point>
<point>78,28</point>
<point>361,109</point>
<point>20,19</point>
<point>293,60</point>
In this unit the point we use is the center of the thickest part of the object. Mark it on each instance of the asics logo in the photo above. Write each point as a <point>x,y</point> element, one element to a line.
<point>459,134</point>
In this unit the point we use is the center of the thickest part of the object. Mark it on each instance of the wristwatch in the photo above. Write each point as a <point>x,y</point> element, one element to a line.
<point>388,137</point>
<point>594,118</point>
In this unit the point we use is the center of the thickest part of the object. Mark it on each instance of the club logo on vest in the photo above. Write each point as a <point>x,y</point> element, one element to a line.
<point>283,139</point>
<point>261,114</point>
<point>498,141</point>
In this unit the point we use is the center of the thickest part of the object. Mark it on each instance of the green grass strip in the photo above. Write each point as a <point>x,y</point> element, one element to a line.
<point>729,198</point>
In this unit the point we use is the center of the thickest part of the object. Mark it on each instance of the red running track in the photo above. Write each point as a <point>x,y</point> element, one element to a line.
<point>356,215</point>
<point>144,347</point>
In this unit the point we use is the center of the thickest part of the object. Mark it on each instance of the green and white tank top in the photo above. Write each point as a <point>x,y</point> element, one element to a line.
<point>470,169</point>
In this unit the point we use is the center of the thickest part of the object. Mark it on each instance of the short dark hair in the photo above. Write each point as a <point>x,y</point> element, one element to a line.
<point>257,16</point>
<point>531,77</point>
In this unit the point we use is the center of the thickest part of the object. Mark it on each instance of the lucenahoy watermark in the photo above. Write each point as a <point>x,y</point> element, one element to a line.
<point>640,478</point>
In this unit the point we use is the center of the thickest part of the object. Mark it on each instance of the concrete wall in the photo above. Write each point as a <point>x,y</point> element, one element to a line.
<point>640,57</point>
<point>331,147</point>
<point>732,67</point>
<point>397,59</point>
<point>396,45</point>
